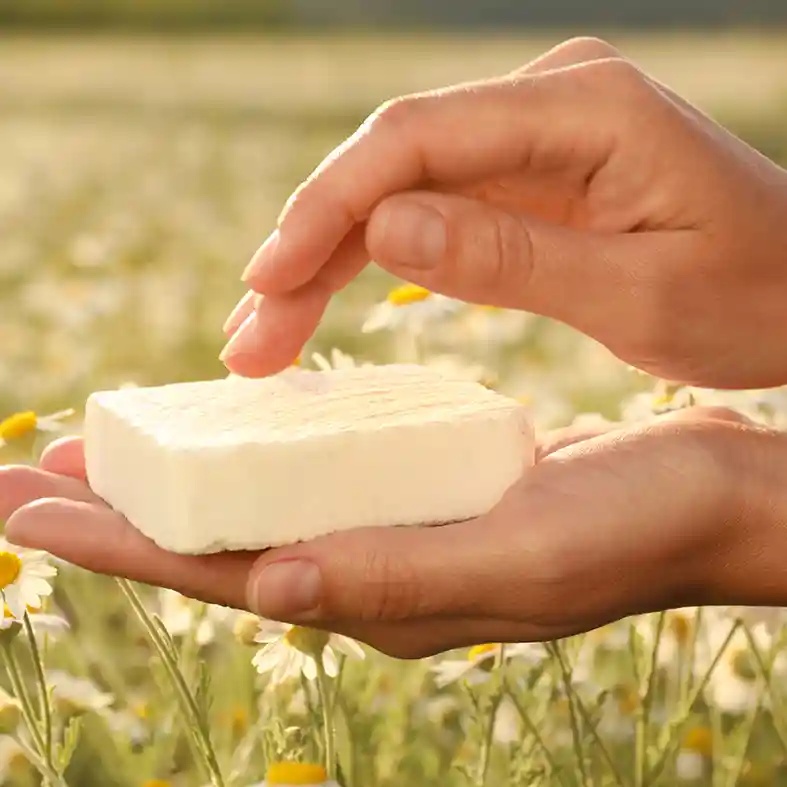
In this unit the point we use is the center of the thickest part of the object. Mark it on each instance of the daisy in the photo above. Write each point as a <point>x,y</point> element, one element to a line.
<point>293,650</point>
<point>40,621</point>
<point>10,711</point>
<point>13,761</point>
<point>293,774</point>
<point>22,424</point>
<point>181,615</point>
<point>694,754</point>
<point>336,360</point>
<point>410,306</point>
<point>477,666</point>
<point>456,368</point>
<point>24,578</point>
<point>75,695</point>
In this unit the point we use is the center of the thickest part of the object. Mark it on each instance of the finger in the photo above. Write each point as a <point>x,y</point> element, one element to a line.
<point>65,457</point>
<point>242,311</point>
<point>20,485</point>
<point>426,139</point>
<point>101,540</point>
<point>558,439</point>
<point>472,251</point>
<point>273,335</point>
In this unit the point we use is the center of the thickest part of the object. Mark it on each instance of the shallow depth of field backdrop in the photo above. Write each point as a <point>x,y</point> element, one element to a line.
<point>140,165</point>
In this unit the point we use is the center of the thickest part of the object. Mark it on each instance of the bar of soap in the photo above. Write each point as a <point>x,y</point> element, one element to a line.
<point>247,464</point>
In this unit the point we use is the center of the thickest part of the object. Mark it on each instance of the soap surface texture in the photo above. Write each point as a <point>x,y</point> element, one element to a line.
<point>248,464</point>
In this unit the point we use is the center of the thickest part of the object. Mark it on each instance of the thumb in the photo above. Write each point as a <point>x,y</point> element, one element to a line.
<point>470,250</point>
<point>373,575</point>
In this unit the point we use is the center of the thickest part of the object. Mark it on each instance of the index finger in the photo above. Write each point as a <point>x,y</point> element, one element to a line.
<point>449,136</point>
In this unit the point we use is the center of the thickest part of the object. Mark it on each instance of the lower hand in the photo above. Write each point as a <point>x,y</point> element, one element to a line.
<point>685,510</point>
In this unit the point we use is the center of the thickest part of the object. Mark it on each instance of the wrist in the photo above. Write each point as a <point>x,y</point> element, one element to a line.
<point>746,564</point>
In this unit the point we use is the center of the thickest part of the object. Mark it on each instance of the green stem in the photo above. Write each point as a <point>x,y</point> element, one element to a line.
<point>669,738</point>
<point>489,731</point>
<point>324,689</point>
<point>565,671</point>
<point>188,704</point>
<point>765,667</point>
<point>643,711</point>
<point>533,730</point>
<point>692,655</point>
<point>44,761</point>
<point>588,721</point>
<point>43,690</point>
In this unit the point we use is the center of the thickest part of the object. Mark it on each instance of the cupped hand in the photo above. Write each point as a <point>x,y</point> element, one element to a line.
<point>576,187</point>
<point>685,510</point>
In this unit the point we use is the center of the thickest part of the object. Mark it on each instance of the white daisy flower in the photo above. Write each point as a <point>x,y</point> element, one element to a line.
<point>10,712</point>
<point>22,424</point>
<point>477,667</point>
<point>295,774</point>
<point>410,306</point>
<point>455,367</point>
<point>77,695</point>
<point>293,650</point>
<point>42,622</point>
<point>181,615</point>
<point>649,404</point>
<point>694,754</point>
<point>337,360</point>
<point>13,761</point>
<point>24,578</point>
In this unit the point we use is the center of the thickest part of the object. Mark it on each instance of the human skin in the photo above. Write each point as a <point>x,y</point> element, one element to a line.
<point>683,511</point>
<point>576,187</point>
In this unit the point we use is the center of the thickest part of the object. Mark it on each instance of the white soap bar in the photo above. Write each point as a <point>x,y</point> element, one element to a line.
<point>247,464</point>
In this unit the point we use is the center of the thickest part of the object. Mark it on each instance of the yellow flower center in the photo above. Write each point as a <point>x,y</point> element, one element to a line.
<point>245,628</point>
<point>700,740</point>
<point>309,641</point>
<point>628,702</point>
<point>10,566</point>
<point>18,425</point>
<point>743,664</point>
<point>296,773</point>
<point>407,294</point>
<point>681,626</point>
<point>480,651</point>
<point>156,783</point>
<point>140,710</point>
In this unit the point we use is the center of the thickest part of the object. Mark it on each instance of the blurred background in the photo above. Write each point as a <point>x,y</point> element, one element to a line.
<point>146,147</point>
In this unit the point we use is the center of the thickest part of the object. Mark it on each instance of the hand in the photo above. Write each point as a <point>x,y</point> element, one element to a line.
<point>687,510</point>
<point>577,188</point>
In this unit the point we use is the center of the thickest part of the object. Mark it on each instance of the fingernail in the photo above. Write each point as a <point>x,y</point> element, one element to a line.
<point>244,341</point>
<point>241,311</point>
<point>287,589</point>
<point>410,233</point>
<point>260,260</point>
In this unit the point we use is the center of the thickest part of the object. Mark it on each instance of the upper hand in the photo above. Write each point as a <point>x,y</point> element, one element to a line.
<point>576,187</point>
<point>686,510</point>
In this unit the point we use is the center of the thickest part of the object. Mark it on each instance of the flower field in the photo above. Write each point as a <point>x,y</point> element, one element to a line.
<point>137,179</point>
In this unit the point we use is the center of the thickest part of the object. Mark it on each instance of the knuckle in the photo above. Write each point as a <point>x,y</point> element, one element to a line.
<point>585,47</point>
<point>393,594</point>
<point>512,249</point>
<point>395,114</point>
<point>617,76</point>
